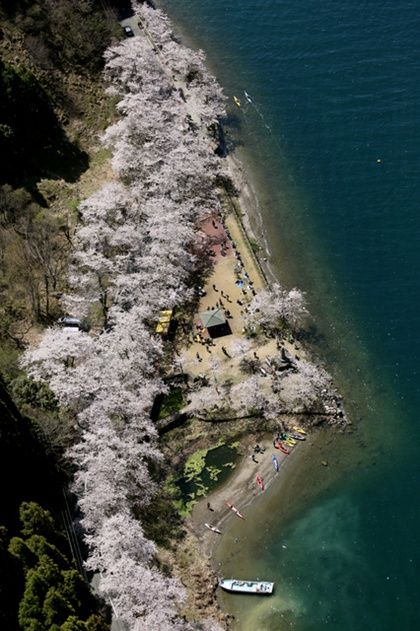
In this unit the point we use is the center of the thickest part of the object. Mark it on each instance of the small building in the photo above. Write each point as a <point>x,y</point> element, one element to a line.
<point>214,320</point>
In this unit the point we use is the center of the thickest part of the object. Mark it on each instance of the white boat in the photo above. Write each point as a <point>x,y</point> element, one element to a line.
<point>213,528</point>
<point>246,587</point>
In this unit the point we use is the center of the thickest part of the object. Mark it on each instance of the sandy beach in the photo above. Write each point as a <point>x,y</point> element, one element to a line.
<point>241,489</point>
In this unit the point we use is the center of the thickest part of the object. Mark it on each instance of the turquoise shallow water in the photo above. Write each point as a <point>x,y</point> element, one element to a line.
<point>332,138</point>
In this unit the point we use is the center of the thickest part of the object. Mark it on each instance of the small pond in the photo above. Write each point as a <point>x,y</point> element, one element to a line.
<point>203,471</point>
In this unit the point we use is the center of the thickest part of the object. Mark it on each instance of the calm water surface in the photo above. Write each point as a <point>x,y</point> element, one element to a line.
<point>332,139</point>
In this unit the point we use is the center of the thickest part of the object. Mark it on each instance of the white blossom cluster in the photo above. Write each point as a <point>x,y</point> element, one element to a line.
<point>277,306</point>
<point>133,256</point>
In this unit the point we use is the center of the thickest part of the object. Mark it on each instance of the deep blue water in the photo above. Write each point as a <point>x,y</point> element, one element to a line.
<point>333,139</point>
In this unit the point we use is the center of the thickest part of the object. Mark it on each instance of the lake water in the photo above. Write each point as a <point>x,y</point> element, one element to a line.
<point>332,139</point>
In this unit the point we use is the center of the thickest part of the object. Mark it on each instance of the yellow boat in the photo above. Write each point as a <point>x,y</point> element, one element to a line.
<point>290,441</point>
<point>300,430</point>
<point>237,101</point>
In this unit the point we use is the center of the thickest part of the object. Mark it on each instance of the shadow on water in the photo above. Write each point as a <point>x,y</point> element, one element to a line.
<point>229,136</point>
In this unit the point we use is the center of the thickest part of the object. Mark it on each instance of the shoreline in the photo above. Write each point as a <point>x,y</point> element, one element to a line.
<point>241,488</point>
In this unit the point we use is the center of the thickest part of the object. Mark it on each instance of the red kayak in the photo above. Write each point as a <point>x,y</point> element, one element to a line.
<point>282,448</point>
<point>260,481</point>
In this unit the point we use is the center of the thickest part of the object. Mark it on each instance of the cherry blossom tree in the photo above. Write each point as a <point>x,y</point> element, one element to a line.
<point>134,254</point>
<point>303,389</point>
<point>272,309</point>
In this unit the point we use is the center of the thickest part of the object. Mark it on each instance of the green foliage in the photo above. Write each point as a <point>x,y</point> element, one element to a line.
<point>26,391</point>
<point>74,32</point>
<point>34,625</point>
<point>9,356</point>
<point>172,402</point>
<point>35,520</point>
<point>10,584</point>
<point>75,589</point>
<point>54,595</point>
<point>96,623</point>
<point>30,608</point>
<point>161,522</point>
<point>40,547</point>
<point>73,624</point>
<point>255,246</point>
<point>20,550</point>
<point>34,245</point>
<point>56,608</point>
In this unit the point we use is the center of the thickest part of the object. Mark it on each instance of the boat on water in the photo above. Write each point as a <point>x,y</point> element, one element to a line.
<point>237,101</point>
<point>235,510</point>
<point>246,587</point>
<point>275,462</point>
<point>247,96</point>
<point>212,528</point>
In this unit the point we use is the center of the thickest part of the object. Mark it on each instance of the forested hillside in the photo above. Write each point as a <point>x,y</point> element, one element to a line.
<point>52,107</point>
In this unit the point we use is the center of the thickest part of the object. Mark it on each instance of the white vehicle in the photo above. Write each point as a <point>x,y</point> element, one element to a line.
<point>70,323</point>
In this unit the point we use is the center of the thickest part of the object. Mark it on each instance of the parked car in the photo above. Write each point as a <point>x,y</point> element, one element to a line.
<point>74,324</point>
<point>128,31</point>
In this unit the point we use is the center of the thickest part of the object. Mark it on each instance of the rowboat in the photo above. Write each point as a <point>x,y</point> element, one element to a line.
<point>234,509</point>
<point>213,528</point>
<point>275,462</point>
<point>246,587</point>
<point>237,101</point>
<point>260,481</point>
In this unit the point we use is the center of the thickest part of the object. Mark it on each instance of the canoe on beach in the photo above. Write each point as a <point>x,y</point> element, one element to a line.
<point>234,509</point>
<point>246,587</point>
<point>213,528</point>
<point>297,436</point>
<point>275,462</point>
<point>260,481</point>
<point>282,448</point>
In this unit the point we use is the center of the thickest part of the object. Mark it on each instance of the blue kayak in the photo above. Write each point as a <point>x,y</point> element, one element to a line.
<point>275,462</point>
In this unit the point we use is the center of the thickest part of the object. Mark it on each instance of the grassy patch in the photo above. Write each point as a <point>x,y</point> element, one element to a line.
<point>172,402</point>
<point>255,246</point>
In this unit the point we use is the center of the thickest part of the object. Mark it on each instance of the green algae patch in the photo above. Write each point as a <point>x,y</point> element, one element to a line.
<point>195,464</point>
<point>203,471</point>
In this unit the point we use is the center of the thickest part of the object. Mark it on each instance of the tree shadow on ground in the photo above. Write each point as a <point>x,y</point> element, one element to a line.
<point>33,143</point>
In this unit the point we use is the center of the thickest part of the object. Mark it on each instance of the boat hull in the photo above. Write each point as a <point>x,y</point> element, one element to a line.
<point>247,587</point>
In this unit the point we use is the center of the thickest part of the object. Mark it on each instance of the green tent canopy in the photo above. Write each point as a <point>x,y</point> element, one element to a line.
<point>212,318</point>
